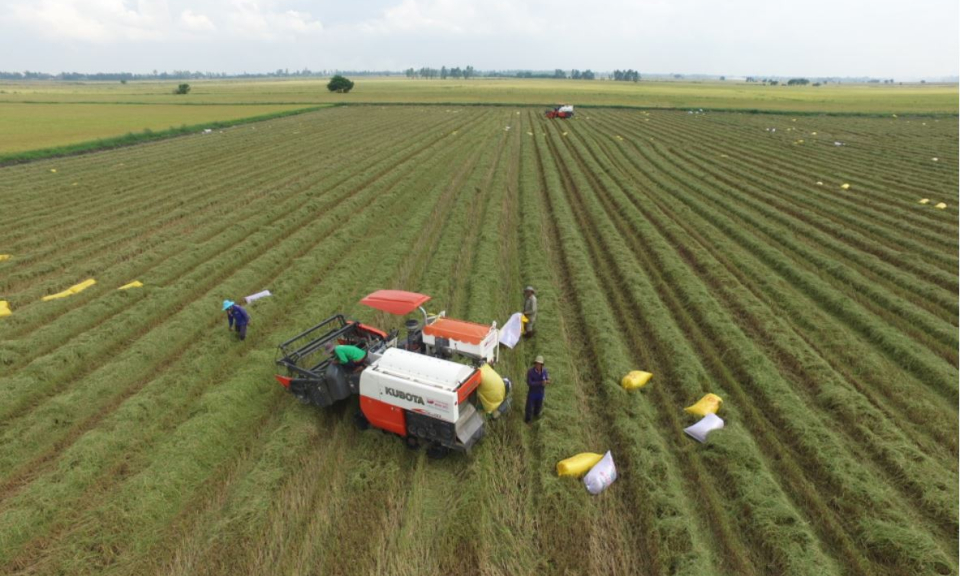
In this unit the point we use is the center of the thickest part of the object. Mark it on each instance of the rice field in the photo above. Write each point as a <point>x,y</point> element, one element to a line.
<point>61,124</point>
<point>718,251</point>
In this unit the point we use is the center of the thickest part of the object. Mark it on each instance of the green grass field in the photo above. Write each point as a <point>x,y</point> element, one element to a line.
<point>842,98</point>
<point>89,111</point>
<point>137,437</point>
<point>35,126</point>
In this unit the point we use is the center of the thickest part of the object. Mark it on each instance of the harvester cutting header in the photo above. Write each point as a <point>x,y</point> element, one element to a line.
<point>409,386</point>
<point>562,111</point>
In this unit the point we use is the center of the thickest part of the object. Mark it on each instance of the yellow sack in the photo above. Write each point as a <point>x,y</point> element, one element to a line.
<point>925,201</point>
<point>134,284</point>
<point>636,379</point>
<point>578,465</point>
<point>940,206</point>
<point>4,257</point>
<point>63,294</point>
<point>75,289</point>
<point>709,404</point>
<point>492,391</point>
<point>524,319</point>
<point>4,308</point>
<point>845,186</point>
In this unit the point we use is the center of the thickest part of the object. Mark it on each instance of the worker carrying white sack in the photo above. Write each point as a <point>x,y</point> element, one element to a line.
<point>530,311</point>
<point>512,330</point>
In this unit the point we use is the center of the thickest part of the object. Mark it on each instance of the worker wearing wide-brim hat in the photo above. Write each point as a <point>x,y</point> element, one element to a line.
<point>530,310</point>
<point>236,316</point>
<point>537,380</point>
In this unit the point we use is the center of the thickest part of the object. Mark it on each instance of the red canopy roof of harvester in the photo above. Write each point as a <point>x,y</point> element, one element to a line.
<point>395,301</point>
<point>459,330</point>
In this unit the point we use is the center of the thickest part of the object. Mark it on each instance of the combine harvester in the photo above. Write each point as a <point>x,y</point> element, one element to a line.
<point>562,111</point>
<point>408,387</point>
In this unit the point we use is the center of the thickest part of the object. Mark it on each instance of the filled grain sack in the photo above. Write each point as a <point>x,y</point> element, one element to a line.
<point>709,404</point>
<point>578,465</point>
<point>492,390</point>
<point>75,289</point>
<point>636,379</point>
<point>601,475</point>
<point>705,426</point>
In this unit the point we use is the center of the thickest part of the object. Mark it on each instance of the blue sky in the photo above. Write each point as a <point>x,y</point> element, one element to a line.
<point>901,40</point>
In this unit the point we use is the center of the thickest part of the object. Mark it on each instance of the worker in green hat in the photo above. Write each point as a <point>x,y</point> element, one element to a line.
<point>236,316</point>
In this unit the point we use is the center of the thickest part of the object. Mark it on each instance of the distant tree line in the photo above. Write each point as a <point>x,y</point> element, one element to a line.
<point>626,75</point>
<point>820,81</point>
<point>443,73</point>
<point>468,72</point>
<point>182,75</point>
<point>557,74</point>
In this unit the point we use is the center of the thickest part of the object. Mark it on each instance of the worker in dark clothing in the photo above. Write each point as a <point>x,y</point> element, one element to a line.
<point>537,379</point>
<point>236,316</point>
<point>350,357</point>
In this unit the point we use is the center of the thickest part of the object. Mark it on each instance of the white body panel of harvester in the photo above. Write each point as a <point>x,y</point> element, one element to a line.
<point>417,383</point>
<point>468,339</point>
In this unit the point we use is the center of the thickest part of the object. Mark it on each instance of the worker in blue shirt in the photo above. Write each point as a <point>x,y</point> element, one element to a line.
<point>537,379</point>
<point>236,316</point>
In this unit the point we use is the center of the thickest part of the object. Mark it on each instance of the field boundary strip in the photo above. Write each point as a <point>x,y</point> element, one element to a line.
<point>751,111</point>
<point>134,138</point>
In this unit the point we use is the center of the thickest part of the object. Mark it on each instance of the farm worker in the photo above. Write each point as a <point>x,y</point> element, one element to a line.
<point>537,379</point>
<point>530,310</point>
<point>236,315</point>
<point>349,356</point>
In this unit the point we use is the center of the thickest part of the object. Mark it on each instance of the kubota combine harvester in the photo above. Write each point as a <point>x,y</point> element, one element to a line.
<point>563,111</point>
<point>410,387</point>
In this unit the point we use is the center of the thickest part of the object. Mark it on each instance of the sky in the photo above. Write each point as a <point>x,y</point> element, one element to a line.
<point>903,40</point>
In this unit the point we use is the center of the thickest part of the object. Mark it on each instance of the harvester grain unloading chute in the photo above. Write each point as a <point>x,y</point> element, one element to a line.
<point>410,387</point>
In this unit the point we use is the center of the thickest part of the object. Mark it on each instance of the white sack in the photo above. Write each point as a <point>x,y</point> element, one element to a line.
<point>257,296</point>
<point>706,425</point>
<point>601,475</point>
<point>511,331</point>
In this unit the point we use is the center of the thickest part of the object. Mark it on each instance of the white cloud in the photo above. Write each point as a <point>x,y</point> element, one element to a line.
<point>96,21</point>
<point>734,37</point>
<point>196,22</point>
<point>457,18</point>
<point>262,20</point>
<point>118,21</point>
